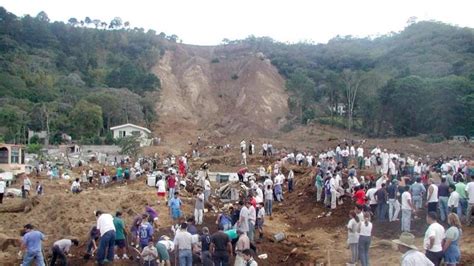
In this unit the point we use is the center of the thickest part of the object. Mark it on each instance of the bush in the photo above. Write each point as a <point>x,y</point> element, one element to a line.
<point>235,76</point>
<point>215,60</point>
<point>109,139</point>
<point>34,148</point>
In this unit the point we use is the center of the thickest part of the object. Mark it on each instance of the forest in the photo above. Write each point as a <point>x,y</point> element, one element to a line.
<point>417,81</point>
<point>85,76</point>
<point>78,78</point>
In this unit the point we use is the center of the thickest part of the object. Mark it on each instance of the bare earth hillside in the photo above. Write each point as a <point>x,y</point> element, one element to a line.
<point>221,89</point>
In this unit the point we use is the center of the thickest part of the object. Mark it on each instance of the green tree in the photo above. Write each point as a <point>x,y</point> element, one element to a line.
<point>86,119</point>
<point>130,145</point>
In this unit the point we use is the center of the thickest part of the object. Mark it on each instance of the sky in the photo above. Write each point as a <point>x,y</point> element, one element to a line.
<point>207,22</point>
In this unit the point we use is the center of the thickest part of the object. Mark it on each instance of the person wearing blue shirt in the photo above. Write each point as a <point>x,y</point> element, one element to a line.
<point>31,243</point>
<point>175,206</point>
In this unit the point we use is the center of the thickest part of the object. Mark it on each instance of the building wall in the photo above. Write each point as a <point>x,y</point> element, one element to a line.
<point>128,132</point>
<point>10,166</point>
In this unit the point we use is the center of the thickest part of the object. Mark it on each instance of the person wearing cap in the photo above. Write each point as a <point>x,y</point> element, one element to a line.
<point>411,256</point>
<point>105,225</point>
<point>31,244</point>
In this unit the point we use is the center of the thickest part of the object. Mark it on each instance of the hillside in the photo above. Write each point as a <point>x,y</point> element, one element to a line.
<point>226,89</point>
<point>75,79</point>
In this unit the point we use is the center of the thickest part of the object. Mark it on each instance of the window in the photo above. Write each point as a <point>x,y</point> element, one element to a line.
<point>122,133</point>
<point>15,155</point>
<point>4,155</point>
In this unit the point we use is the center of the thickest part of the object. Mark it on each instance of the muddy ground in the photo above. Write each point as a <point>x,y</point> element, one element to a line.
<point>60,214</point>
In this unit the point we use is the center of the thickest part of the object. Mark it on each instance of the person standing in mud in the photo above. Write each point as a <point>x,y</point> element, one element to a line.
<point>243,223</point>
<point>353,237</point>
<point>175,207</point>
<point>105,225</point>
<point>3,186</point>
<point>31,245</point>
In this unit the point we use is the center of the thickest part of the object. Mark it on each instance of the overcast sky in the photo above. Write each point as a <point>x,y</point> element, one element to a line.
<point>207,22</point>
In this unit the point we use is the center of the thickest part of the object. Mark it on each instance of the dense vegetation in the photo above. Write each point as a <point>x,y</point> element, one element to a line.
<point>79,78</point>
<point>418,81</point>
<point>83,77</point>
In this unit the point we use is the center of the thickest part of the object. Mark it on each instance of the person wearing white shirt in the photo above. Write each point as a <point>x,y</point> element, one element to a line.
<point>407,209</point>
<point>199,207</point>
<point>360,157</point>
<point>252,219</point>
<point>470,205</point>
<point>299,158</point>
<point>268,182</point>
<point>385,160</point>
<point>242,146</point>
<point>432,196</point>
<point>453,201</point>
<point>3,185</point>
<point>244,158</point>
<point>433,239</point>
<point>367,162</point>
<point>353,237</point>
<point>352,152</point>
<point>365,237</point>
<point>76,186</point>
<point>309,160</point>
<point>207,189</point>
<point>161,187</point>
<point>376,150</point>
<point>334,194</point>
<point>259,196</point>
<point>411,256</point>
<point>338,153</point>
<point>27,186</point>
<point>105,225</point>
<point>370,194</point>
<point>291,176</point>
<point>392,167</point>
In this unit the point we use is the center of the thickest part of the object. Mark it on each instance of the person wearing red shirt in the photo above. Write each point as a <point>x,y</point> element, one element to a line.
<point>241,174</point>
<point>171,185</point>
<point>359,196</point>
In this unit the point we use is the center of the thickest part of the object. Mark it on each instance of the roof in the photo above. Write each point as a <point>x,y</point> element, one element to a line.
<point>131,125</point>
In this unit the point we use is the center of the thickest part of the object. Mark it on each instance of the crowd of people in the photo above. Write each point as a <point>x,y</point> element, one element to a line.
<point>399,188</point>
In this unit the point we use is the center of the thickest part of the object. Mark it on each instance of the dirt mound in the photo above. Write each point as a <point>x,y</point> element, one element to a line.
<point>223,89</point>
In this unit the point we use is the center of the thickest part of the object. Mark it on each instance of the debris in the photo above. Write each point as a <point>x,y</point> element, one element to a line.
<point>293,251</point>
<point>279,237</point>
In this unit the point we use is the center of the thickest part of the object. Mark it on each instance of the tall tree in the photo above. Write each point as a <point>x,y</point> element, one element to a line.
<point>353,81</point>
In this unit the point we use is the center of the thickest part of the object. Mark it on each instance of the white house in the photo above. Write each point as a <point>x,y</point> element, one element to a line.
<point>124,130</point>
